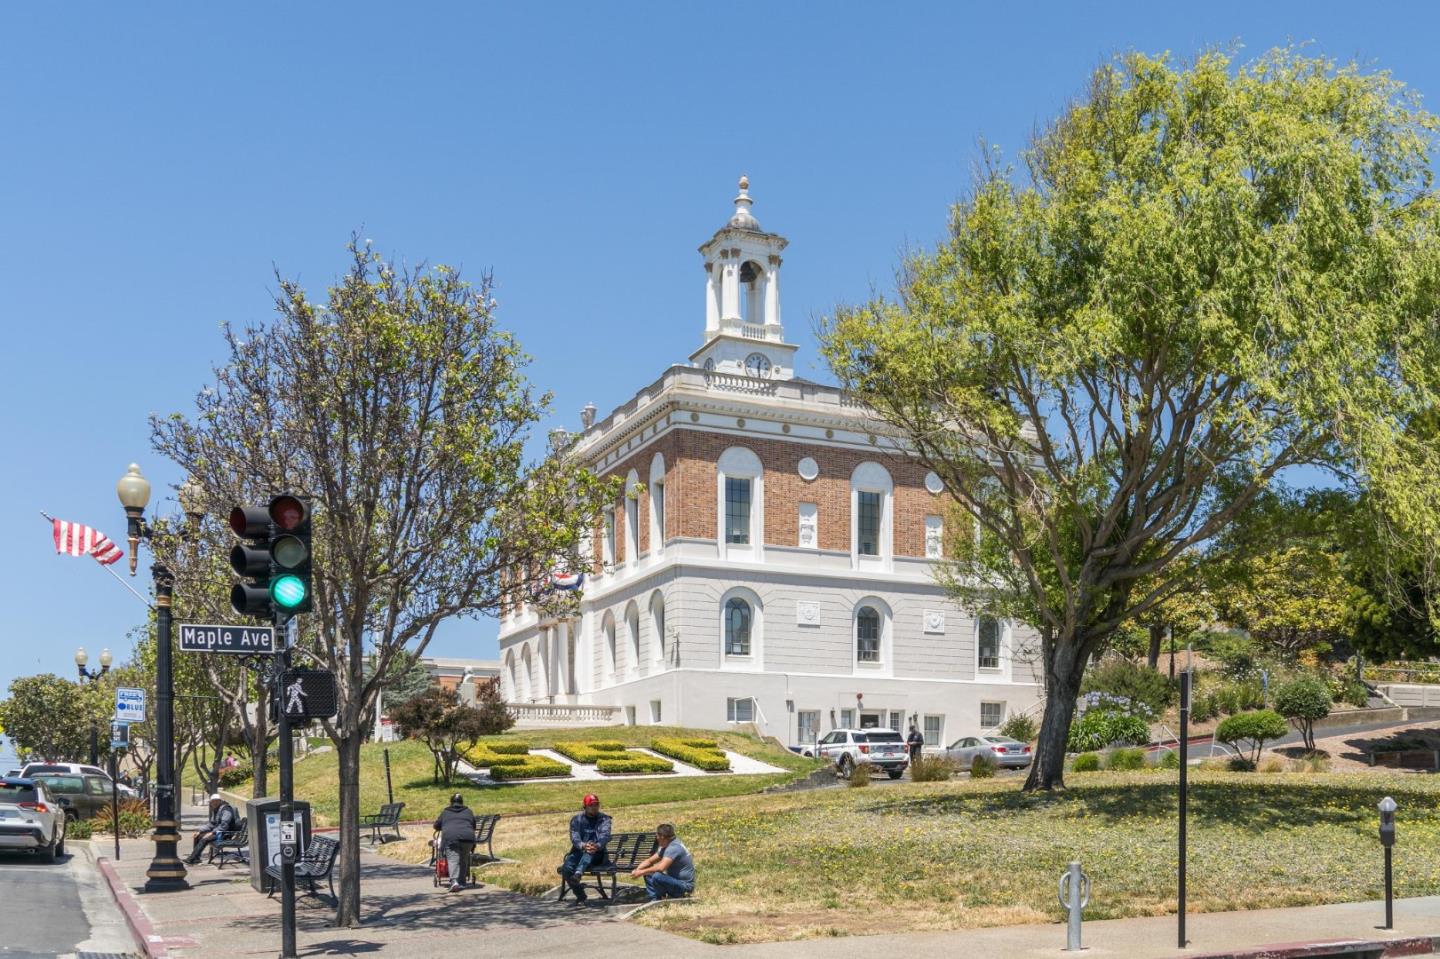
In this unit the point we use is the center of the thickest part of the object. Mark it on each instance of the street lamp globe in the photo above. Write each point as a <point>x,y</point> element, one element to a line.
<point>105,659</point>
<point>133,489</point>
<point>81,657</point>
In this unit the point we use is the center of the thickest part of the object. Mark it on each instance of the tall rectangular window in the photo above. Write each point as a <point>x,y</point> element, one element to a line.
<point>807,725</point>
<point>632,530</point>
<point>608,544</point>
<point>737,511</point>
<point>867,523</point>
<point>897,720</point>
<point>989,643</point>
<point>847,719</point>
<point>934,725</point>
<point>657,501</point>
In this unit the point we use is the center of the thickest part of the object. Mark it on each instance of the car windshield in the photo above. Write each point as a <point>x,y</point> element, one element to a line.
<point>882,737</point>
<point>16,793</point>
<point>63,784</point>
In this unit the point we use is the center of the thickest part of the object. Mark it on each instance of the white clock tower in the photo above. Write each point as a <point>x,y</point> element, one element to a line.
<point>743,335</point>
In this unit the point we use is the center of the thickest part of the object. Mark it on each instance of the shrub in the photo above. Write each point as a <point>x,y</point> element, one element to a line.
<point>931,769</point>
<point>1351,692</point>
<point>505,747</point>
<point>1235,651</point>
<point>1127,760</point>
<point>1203,707</point>
<point>535,767</point>
<point>1118,677</point>
<point>982,767</point>
<point>238,776</point>
<point>1254,728</point>
<point>1169,759</point>
<point>134,819</point>
<point>1020,727</point>
<point>636,763</point>
<point>1087,763</point>
<point>1303,701</point>
<point>701,753</point>
<point>1099,728</point>
<point>1271,764</point>
<point>860,775</point>
<point>1238,696</point>
<point>1239,764</point>
<point>79,829</point>
<point>590,753</point>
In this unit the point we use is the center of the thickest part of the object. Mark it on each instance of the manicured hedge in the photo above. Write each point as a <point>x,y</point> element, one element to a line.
<point>590,753</point>
<point>505,747</point>
<point>701,753</point>
<point>638,763</point>
<point>535,767</point>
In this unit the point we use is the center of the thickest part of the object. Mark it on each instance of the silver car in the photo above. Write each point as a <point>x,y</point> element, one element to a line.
<point>31,819</point>
<point>1006,752</point>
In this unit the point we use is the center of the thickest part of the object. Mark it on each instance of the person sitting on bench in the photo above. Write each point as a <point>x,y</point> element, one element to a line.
<point>456,826</point>
<point>669,873</point>
<point>589,834</point>
<point>222,822</point>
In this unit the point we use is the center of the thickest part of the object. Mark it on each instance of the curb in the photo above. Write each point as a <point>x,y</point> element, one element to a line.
<point>1324,949</point>
<point>151,944</point>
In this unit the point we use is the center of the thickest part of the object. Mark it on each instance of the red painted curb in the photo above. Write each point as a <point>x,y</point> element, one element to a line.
<point>144,933</point>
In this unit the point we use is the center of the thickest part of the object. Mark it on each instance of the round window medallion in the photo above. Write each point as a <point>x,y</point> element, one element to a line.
<point>933,484</point>
<point>784,427</point>
<point>809,469</point>
<point>740,423</point>
<point>829,434</point>
<point>694,417</point>
<point>872,439</point>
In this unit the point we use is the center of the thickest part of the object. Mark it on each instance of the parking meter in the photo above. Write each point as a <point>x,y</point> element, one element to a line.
<point>289,842</point>
<point>1387,822</point>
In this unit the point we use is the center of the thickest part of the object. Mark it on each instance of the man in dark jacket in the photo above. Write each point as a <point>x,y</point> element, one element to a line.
<point>223,819</point>
<point>456,826</point>
<point>916,742</point>
<point>589,835</point>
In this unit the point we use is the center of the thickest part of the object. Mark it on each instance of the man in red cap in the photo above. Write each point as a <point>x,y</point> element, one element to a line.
<point>589,834</point>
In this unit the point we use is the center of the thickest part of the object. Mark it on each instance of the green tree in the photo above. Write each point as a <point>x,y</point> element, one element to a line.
<point>447,725</point>
<point>1211,277</point>
<point>48,717</point>
<point>402,410</point>
<point>1304,700</point>
<point>1250,731</point>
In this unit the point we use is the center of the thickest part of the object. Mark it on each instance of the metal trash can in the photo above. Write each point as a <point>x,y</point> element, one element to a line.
<point>264,816</point>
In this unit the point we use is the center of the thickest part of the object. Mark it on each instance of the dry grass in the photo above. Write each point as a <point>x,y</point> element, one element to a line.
<point>788,866</point>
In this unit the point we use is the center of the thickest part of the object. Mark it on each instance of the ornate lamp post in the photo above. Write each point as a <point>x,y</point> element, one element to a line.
<point>90,675</point>
<point>166,872</point>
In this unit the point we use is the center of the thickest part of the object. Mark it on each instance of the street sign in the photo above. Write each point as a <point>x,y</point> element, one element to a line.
<point>119,736</point>
<point>247,640</point>
<point>130,705</point>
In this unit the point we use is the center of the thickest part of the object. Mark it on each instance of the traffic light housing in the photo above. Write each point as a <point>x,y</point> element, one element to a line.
<point>290,554</point>
<point>251,561</point>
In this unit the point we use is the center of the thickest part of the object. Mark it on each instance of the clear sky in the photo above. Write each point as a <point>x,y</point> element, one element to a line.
<point>159,162</point>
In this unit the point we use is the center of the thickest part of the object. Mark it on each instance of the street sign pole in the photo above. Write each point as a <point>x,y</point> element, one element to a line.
<point>1185,691</point>
<point>289,852</point>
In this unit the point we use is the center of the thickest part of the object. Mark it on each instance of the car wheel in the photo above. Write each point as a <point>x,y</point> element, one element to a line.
<point>846,767</point>
<point>60,846</point>
<point>896,773</point>
<point>47,853</point>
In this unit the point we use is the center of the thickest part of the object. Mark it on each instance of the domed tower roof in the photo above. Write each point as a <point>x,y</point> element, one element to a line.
<point>743,219</point>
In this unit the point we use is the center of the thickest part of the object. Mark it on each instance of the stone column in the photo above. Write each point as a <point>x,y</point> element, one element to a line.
<point>712,301</point>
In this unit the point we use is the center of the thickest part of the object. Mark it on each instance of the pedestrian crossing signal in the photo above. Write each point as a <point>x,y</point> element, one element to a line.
<point>305,694</point>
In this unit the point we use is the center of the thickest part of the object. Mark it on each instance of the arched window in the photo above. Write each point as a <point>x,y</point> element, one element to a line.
<point>867,635</point>
<point>526,668</point>
<point>871,495</point>
<point>740,503</point>
<point>752,285</point>
<point>609,627</point>
<point>632,628</point>
<point>988,643</point>
<point>512,679</point>
<point>657,624</point>
<point>737,627</point>
<point>657,504</point>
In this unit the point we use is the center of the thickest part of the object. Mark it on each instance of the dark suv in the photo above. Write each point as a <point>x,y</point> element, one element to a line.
<point>82,796</point>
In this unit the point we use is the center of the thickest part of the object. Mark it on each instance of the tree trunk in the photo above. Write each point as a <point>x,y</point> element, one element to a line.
<point>1064,668</point>
<point>259,743</point>
<point>1157,633</point>
<point>347,912</point>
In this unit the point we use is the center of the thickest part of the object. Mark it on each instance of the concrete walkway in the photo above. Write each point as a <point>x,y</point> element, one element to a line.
<point>406,916</point>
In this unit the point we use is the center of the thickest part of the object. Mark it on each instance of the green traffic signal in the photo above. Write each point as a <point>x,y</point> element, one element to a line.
<point>288,591</point>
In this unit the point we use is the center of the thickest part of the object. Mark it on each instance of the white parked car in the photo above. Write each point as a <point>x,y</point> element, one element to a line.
<point>77,769</point>
<point>884,749</point>
<point>31,819</point>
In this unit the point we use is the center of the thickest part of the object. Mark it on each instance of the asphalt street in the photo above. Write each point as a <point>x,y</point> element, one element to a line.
<point>64,909</point>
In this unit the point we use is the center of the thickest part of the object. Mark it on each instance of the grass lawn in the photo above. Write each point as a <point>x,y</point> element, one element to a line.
<point>317,777</point>
<point>966,854</point>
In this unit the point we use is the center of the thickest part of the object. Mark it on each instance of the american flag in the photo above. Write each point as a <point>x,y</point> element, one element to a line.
<point>79,540</point>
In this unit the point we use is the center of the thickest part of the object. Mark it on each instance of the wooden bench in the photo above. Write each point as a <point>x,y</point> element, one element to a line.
<point>317,863</point>
<point>232,844</point>
<point>387,818</point>
<point>623,852</point>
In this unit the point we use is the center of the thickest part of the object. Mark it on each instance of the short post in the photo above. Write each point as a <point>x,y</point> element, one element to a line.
<point>389,790</point>
<point>1074,897</point>
<point>1387,839</point>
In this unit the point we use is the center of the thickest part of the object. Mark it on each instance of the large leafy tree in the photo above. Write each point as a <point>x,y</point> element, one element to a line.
<point>448,726</point>
<point>1209,278</point>
<point>48,717</point>
<point>402,410</point>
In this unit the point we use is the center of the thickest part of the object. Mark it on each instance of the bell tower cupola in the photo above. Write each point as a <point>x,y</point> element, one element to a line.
<point>743,334</point>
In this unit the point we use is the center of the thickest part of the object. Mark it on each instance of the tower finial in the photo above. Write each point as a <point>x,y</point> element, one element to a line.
<point>743,218</point>
<point>744,183</point>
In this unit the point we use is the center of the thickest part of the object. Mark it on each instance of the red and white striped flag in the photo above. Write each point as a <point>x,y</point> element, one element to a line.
<point>78,540</point>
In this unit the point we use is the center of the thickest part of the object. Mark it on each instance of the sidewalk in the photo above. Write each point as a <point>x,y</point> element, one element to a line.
<point>405,916</point>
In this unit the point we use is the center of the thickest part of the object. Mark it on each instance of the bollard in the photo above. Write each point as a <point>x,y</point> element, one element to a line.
<point>1074,896</point>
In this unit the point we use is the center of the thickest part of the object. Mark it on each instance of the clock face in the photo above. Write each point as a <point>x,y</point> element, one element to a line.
<point>757,364</point>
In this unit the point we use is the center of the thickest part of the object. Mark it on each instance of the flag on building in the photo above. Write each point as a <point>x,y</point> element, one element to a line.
<point>75,539</point>
<point>567,581</point>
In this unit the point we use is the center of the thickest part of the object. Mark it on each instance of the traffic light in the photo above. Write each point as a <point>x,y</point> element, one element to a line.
<point>290,557</point>
<point>251,560</point>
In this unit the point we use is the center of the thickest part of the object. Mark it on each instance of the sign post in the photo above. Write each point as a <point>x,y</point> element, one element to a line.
<point>119,741</point>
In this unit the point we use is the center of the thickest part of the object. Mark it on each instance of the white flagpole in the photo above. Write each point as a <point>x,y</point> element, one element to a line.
<point>108,569</point>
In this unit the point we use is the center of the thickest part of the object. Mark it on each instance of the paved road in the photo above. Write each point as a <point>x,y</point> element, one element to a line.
<point>63,909</point>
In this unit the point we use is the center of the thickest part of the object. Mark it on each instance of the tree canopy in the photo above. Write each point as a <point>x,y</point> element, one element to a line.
<point>1206,279</point>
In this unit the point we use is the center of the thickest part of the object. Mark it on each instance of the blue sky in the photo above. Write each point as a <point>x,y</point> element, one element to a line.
<point>161,161</point>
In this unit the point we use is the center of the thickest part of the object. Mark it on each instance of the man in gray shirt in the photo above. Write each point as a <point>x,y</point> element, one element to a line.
<point>669,873</point>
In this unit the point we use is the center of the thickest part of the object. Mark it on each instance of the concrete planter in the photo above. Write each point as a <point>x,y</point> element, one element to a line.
<point>1406,758</point>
